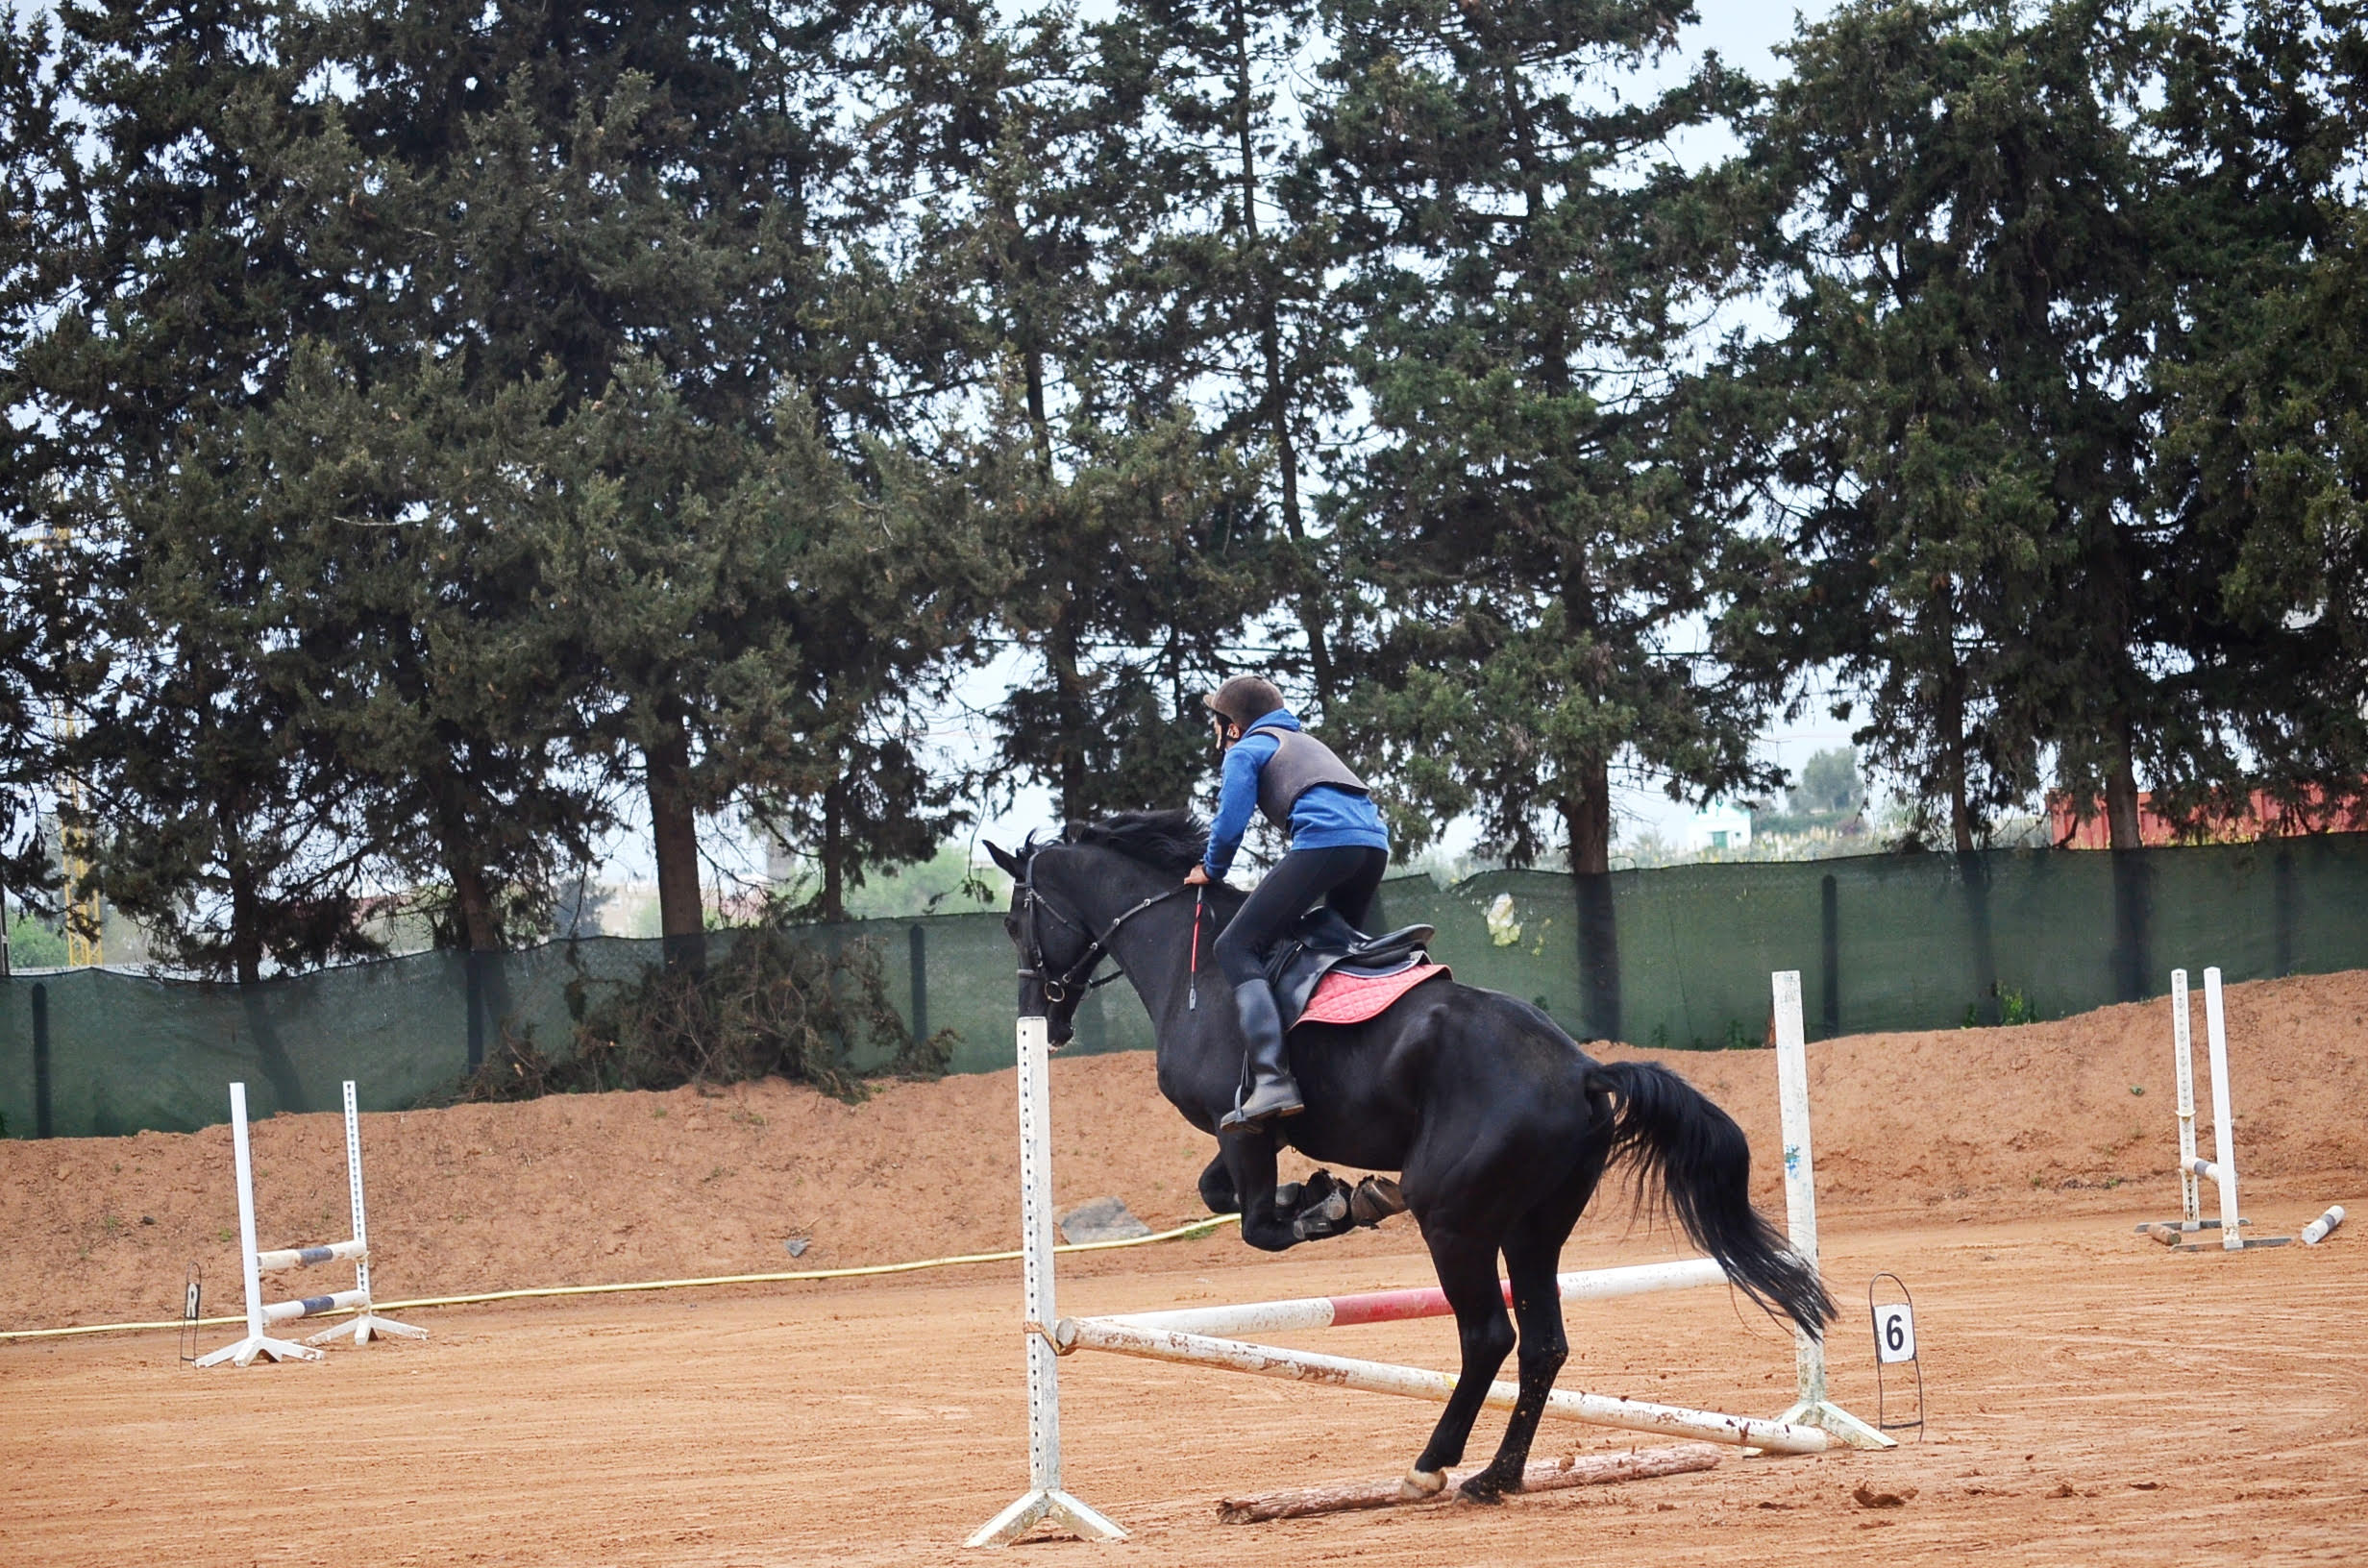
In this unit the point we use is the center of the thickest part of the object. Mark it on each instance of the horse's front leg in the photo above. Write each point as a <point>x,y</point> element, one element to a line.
<point>1248,1154</point>
<point>1322,1206</point>
<point>1217,1186</point>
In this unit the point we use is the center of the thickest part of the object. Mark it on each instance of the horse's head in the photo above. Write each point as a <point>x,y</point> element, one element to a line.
<point>1065,898</point>
<point>1053,943</point>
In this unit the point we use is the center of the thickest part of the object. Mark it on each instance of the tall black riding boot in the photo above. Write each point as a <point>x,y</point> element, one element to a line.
<point>1272,1090</point>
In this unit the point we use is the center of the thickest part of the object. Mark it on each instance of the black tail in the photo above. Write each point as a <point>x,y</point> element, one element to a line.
<point>1670,1131</point>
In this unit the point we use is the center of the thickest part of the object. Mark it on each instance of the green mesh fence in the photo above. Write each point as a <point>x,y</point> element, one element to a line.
<point>1677,957</point>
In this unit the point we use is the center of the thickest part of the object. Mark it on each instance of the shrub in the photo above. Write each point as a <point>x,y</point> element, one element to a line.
<point>776,1002</point>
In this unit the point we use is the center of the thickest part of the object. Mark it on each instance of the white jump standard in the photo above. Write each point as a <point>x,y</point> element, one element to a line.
<point>1196,1336</point>
<point>1044,1500</point>
<point>355,1250</point>
<point>1811,1407</point>
<point>2221,1168</point>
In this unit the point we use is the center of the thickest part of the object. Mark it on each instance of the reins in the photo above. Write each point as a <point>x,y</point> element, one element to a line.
<point>1079,976</point>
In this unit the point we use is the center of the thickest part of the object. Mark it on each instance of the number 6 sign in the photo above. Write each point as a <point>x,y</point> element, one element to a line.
<point>1894,1333</point>
<point>1894,1346</point>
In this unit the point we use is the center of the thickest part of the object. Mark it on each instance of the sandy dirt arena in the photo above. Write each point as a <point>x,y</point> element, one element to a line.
<point>2093,1398</point>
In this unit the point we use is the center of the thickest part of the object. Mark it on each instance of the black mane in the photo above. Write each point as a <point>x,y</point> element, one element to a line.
<point>1165,841</point>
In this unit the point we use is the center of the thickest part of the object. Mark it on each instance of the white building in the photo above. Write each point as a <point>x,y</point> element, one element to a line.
<point>1718,826</point>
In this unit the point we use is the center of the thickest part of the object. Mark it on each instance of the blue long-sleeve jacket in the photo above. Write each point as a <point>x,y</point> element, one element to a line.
<point>1325,818</point>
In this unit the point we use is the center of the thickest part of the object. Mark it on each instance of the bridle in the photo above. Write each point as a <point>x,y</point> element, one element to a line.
<point>1079,976</point>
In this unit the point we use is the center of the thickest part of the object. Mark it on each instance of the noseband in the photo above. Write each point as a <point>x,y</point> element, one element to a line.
<point>1078,976</point>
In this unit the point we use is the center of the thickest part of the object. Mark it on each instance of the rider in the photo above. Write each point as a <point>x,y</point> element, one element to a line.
<point>1339,850</point>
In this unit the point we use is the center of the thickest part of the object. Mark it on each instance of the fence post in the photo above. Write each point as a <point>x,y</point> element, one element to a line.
<point>2133,923</point>
<point>1600,1001</point>
<point>1973,869</point>
<point>473,968</point>
<point>43,1124</point>
<point>919,941</point>
<point>2284,895</point>
<point>1829,942</point>
<point>1045,1500</point>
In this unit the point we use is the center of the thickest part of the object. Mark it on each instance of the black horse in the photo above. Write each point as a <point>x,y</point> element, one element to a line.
<point>1500,1126</point>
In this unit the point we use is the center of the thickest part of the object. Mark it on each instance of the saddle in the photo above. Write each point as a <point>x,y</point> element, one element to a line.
<point>1325,946</point>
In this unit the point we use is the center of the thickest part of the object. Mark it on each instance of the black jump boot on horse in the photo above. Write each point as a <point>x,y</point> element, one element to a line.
<point>1272,1092</point>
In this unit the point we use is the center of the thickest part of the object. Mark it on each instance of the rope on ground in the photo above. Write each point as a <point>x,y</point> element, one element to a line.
<point>1182,1232</point>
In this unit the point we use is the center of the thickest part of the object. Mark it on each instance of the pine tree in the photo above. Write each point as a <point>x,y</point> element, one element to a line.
<point>442,690</point>
<point>1225,283</point>
<point>649,210</point>
<point>179,288</point>
<point>2261,372</point>
<point>889,585</point>
<point>41,634</point>
<point>1957,423</point>
<point>1131,543</point>
<point>1523,508</point>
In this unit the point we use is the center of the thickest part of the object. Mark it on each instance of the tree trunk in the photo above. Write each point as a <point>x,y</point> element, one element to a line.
<point>1587,817</point>
<point>2121,819</point>
<point>674,832</point>
<point>480,927</point>
<point>246,925</point>
<point>1069,709</point>
<point>834,851</point>
<point>1951,719</point>
<point>1039,425</point>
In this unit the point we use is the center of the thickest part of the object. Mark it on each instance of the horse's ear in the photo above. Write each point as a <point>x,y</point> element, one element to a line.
<point>1013,866</point>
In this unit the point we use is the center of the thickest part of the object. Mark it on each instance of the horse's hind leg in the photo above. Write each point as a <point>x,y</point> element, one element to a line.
<point>1467,1275</point>
<point>1531,1267</point>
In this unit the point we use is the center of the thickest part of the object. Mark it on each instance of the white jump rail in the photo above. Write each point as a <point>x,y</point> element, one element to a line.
<point>2221,1169</point>
<point>254,1263</point>
<point>1413,1383</point>
<point>1198,1335</point>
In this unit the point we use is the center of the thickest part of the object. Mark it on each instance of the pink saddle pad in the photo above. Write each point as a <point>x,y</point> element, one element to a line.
<point>1353,998</point>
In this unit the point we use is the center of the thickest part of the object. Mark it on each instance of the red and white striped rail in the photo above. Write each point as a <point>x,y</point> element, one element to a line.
<point>1404,1305</point>
<point>254,1262</point>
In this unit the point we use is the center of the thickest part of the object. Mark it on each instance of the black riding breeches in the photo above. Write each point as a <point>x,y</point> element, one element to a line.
<point>1345,878</point>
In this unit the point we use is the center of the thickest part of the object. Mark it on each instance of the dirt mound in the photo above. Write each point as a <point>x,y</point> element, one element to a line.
<point>579,1190</point>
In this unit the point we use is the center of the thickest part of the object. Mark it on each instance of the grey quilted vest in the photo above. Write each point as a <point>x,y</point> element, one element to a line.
<point>1299,764</point>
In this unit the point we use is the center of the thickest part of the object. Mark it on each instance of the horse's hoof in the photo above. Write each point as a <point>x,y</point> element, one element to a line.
<point>1375,1199</point>
<point>1325,1218</point>
<point>1422,1483</point>
<point>1322,1208</point>
<point>1486,1486</point>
